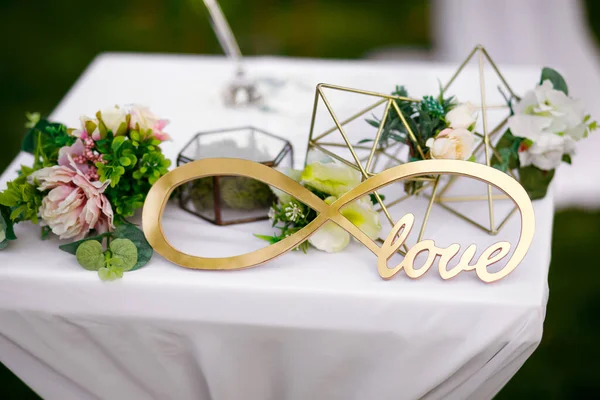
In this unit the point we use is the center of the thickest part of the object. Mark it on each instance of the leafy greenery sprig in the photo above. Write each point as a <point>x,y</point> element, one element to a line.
<point>425,119</point>
<point>126,250</point>
<point>292,216</point>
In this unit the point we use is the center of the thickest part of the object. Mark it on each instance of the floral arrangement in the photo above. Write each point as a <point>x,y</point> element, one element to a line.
<point>328,179</point>
<point>542,130</point>
<point>443,129</point>
<point>85,182</point>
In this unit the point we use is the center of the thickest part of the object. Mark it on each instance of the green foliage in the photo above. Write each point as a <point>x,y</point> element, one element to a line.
<point>558,82</point>
<point>290,217</point>
<point>125,251</point>
<point>23,198</point>
<point>123,231</point>
<point>508,149</point>
<point>6,227</point>
<point>535,181</point>
<point>44,140</point>
<point>110,273</point>
<point>425,119</point>
<point>9,231</point>
<point>90,255</point>
<point>120,256</point>
<point>133,162</point>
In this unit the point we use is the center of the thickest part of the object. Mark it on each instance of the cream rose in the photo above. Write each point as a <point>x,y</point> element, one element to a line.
<point>114,119</point>
<point>452,144</point>
<point>462,116</point>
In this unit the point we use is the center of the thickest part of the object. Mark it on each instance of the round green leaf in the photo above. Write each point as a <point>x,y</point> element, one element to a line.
<point>131,232</point>
<point>125,250</point>
<point>125,161</point>
<point>110,273</point>
<point>89,255</point>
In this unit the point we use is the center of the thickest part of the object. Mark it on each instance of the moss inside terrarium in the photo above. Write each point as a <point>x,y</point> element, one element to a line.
<point>201,193</point>
<point>243,193</point>
<point>237,192</point>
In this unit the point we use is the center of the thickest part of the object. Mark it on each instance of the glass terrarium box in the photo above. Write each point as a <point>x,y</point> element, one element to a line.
<point>225,200</point>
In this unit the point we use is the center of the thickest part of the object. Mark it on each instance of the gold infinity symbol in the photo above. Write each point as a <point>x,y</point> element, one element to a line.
<point>160,192</point>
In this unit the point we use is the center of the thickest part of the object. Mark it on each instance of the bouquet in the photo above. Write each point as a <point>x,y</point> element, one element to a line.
<point>542,131</point>
<point>328,179</point>
<point>442,129</point>
<point>85,182</point>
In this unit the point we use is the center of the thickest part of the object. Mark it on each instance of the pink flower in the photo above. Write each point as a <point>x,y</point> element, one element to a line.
<point>143,119</point>
<point>75,152</point>
<point>75,205</point>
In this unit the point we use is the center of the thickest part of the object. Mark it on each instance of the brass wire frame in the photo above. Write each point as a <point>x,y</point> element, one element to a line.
<point>437,195</point>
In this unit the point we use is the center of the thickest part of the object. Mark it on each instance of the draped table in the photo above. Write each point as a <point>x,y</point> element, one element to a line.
<point>316,326</point>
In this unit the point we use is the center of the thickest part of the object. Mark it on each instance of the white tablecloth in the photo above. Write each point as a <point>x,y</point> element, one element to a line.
<point>317,326</point>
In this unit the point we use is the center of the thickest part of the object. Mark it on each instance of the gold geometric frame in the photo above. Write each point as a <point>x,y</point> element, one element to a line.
<point>437,195</point>
<point>485,144</point>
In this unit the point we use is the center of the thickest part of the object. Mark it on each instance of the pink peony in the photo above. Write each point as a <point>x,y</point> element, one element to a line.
<point>74,205</point>
<point>143,119</point>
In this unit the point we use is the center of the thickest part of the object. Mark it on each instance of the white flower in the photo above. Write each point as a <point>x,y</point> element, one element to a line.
<point>452,144</point>
<point>561,114</point>
<point>547,151</point>
<point>271,213</point>
<point>332,238</point>
<point>552,121</point>
<point>462,116</point>
<point>333,178</point>
<point>115,119</point>
<point>293,212</point>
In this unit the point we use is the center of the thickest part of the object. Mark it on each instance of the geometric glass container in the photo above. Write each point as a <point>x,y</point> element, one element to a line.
<point>226,200</point>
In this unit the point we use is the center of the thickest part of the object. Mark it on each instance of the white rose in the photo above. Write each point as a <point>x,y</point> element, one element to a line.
<point>563,114</point>
<point>452,144</point>
<point>115,120</point>
<point>462,116</point>
<point>547,151</point>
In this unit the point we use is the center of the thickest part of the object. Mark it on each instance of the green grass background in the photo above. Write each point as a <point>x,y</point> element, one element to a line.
<point>46,45</point>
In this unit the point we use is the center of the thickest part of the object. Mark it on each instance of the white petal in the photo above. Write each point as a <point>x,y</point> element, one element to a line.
<point>528,126</point>
<point>330,238</point>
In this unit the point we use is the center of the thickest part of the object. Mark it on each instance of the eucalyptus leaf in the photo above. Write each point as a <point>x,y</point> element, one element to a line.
<point>90,256</point>
<point>9,229</point>
<point>126,251</point>
<point>71,248</point>
<point>110,273</point>
<point>508,148</point>
<point>131,232</point>
<point>535,181</point>
<point>556,78</point>
<point>29,141</point>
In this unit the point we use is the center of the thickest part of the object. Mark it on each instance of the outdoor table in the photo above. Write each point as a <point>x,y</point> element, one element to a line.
<point>303,326</point>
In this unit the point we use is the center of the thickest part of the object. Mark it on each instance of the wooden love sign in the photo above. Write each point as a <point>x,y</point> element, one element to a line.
<point>160,192</point>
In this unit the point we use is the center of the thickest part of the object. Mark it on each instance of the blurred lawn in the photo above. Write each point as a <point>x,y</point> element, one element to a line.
<point>56,41</point>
